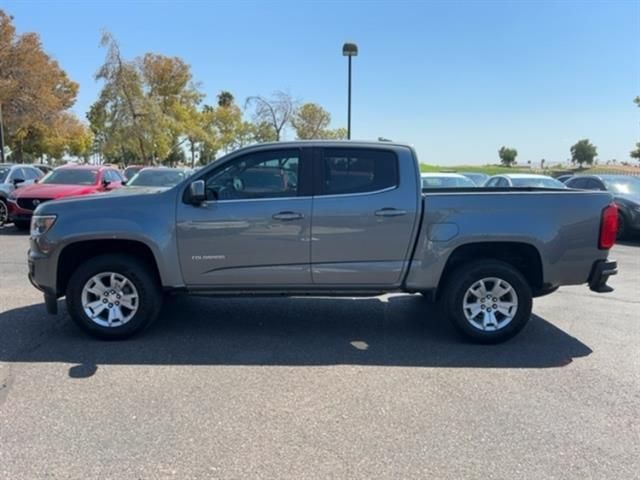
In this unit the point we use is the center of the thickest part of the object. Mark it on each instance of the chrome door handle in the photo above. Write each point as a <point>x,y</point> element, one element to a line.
<point>287,216</point>
<point>390,212</point>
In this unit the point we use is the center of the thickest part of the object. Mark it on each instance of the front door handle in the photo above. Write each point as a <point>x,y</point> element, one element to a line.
<point>390,212</point>
<point>287,216</point>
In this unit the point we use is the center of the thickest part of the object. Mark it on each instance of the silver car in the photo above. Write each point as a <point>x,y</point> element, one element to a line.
<point>13,176</point>
<point>524,180</point>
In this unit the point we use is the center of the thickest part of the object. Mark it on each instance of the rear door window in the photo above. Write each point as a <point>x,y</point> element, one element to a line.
<point>346,171</point>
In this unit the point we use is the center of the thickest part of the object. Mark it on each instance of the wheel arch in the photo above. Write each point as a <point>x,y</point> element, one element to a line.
<point>75,254</point>
<point>524,257</point>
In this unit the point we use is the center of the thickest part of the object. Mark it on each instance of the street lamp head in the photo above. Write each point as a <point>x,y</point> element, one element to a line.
<point>350,50</point>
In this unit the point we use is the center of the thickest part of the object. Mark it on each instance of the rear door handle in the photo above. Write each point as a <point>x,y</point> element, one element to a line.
<point>287,216</point>
<point>390,212</point>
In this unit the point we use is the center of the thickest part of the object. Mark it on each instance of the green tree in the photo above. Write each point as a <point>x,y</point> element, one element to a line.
<point>148,105</point>
<point>310,121</point>
<point>36,95</point>
<point>225,99</point>
<point>507,156</point>
<point>275,111</point>
<point>336,134</point>
<point>636,152</point>
<point>583,152</point>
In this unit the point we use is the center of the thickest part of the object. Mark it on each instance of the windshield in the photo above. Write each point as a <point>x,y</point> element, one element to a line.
<point>537,182</point>
<point>446,182</point>
<point>624,186</point>
<point>477,178</point>
<point>71,176</point>
<point>156,178</point>
<point>4,171</point>
<point>129,172</point>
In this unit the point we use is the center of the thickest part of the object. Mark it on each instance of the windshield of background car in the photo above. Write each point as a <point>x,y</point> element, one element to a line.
<point>129,172</point>
<point>623,186</point>
<point>156,178</point>
<point>71,177</point>
<point>477,178</point>
<point>446,182</point>
<point>537,182</point>
<point>4,172</point>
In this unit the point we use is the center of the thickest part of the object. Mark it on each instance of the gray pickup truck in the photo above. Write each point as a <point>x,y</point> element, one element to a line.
<point>319,218</point>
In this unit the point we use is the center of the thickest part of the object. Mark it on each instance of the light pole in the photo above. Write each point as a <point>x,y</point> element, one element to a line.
<point>349,50</point>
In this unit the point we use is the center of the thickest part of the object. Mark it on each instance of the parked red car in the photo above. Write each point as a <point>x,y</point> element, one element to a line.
<point>62,182</point>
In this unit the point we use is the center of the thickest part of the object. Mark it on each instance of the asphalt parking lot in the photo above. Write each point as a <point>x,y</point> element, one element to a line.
<point>321,388</point>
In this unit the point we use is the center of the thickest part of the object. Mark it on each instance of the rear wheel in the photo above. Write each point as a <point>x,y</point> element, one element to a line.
<point>113,296</point>
<point>488,301</point>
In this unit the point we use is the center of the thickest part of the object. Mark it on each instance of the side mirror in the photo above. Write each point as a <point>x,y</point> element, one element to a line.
<point>105,184</point>
<point>197,193</point>
<point>17,181</point>
<point>124,182</point>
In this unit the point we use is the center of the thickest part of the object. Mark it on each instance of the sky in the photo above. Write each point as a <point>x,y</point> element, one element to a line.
<point>455,79</point>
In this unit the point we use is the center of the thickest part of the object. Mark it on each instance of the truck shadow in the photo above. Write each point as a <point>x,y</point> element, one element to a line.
<point>401,331</point>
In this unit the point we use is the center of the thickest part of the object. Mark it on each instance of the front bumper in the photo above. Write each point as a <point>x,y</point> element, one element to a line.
<point>600,273</point>
<point>18,213</point>
<point>42,277</point>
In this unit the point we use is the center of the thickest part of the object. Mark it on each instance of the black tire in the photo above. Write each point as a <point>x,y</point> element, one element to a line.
<point>148,289</point>
<point>621,234</point>
<point>22,225</point>
<point>460,281</point>
<point>4,212</point>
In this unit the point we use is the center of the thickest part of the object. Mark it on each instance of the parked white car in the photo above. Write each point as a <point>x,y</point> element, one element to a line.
<point>445,180</point>
<point>523,180</point>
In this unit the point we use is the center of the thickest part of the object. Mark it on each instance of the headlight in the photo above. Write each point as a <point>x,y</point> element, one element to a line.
<point>40,224</point>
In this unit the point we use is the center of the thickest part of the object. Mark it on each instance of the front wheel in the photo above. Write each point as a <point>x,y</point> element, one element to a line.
<point>4,212</point>
<point>113,296</point>
<point>488,301</point>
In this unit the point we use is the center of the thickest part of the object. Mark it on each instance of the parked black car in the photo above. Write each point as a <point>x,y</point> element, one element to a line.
<point>626,195</point>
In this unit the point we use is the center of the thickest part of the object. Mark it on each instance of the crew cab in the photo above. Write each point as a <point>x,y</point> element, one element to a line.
<point>320,218</point>
<point>62,182</point>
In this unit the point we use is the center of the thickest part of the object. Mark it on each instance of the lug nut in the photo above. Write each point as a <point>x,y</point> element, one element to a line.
<point>495,299</point>
<point>482,307</point>
<point>118,296</point>
<point>104,300</point>
<point>494,306</point>
<point>488,310</point>
<point>482,300</point>
<point>117,303</point>
<point>111,305</point>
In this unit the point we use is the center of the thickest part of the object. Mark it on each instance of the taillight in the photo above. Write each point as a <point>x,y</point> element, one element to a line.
<point>608,227</point>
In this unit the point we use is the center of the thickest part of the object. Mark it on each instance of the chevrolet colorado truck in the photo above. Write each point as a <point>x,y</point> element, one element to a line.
<point>319,218</point>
